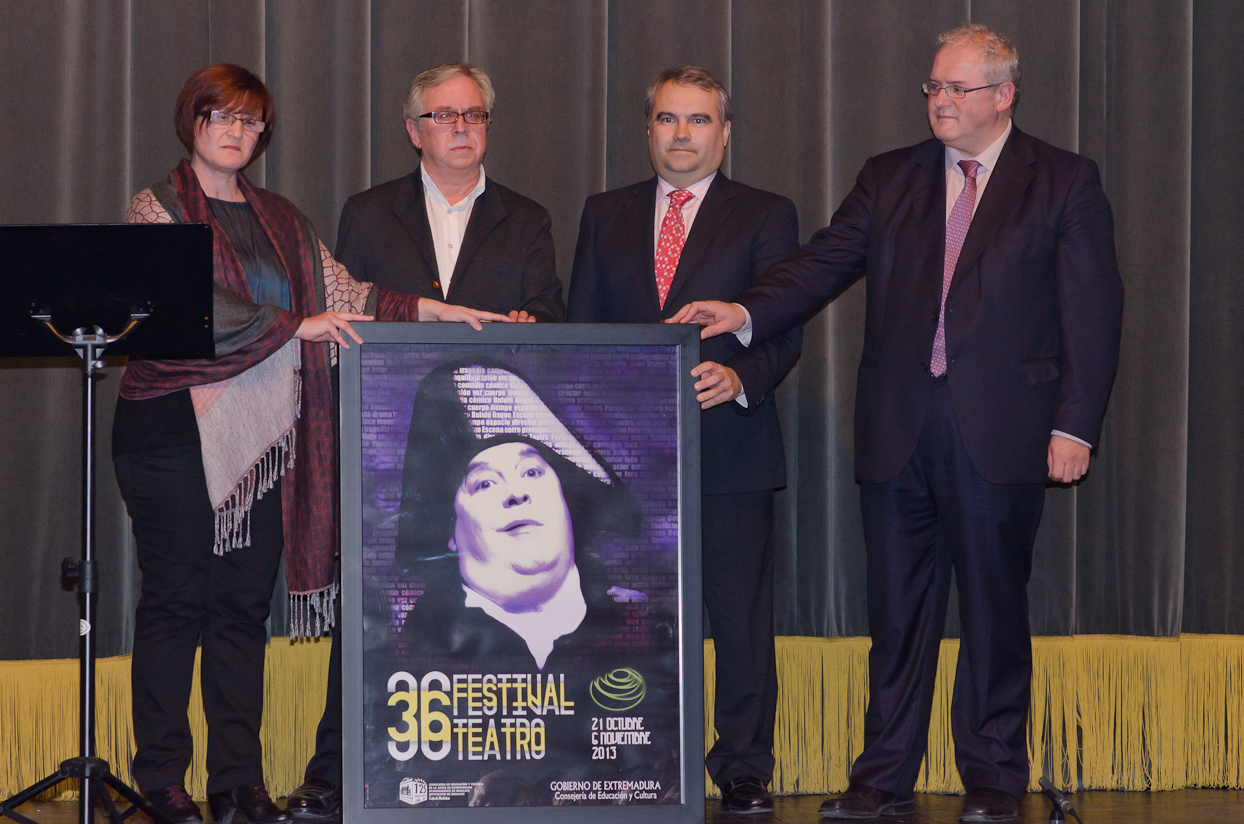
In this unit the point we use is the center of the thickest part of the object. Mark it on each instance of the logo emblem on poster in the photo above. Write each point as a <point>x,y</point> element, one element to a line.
<point>413,790</point>
<point>619,690</point>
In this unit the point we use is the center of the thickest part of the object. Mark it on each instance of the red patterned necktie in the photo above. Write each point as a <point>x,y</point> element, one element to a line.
<point>956,231</point>
<point>670,243</point>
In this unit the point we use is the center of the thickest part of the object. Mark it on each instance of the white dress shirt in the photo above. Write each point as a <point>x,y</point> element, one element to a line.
<point>560,615</point>
<point>448,224</point>
<point>689,209</point>
<point>955,179</point>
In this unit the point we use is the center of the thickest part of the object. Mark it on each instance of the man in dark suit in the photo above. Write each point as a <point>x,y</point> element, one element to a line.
<point>991,339</point>
<point>446,230</point>
<point>645,250</point>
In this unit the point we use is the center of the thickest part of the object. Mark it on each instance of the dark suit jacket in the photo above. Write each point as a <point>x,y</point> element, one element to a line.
<point>737,234</point>
<point>506,260</point>
<point>1033,315</point>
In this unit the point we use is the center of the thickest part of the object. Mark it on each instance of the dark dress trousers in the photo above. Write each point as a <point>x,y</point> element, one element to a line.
<point>952,470</point>
<point>506,262</point>
<point>738,232</point>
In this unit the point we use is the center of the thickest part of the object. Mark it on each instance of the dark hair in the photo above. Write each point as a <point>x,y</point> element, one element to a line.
<point>223,86</point>
<point>690,76</point>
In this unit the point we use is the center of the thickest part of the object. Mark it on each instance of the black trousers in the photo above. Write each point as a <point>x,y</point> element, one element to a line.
<point>326,763</point>
<point>190,594</point>
<point>738,554</point>
<point>939,514</point>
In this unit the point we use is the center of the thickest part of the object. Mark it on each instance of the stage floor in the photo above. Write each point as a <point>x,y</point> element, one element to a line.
<point>1176,807</point>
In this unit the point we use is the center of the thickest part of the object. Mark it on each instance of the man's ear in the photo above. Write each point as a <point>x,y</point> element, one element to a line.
<point>412,129</point>
<point>725,130</point>
<point>1006,96</point>
<point>453,546</point>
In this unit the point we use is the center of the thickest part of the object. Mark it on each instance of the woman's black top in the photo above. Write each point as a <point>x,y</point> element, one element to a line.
<point>168,421</point>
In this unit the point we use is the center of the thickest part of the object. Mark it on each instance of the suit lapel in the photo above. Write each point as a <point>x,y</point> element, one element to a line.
<point>1007,183</point>
<point>641,214</point>
<point>485,215</point>
<point>712,213</point>
<point>927,200</point>
<point>412,213</point>
<point>928,192</point>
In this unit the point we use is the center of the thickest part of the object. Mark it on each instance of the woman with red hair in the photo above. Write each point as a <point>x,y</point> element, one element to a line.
<point>224,463</point>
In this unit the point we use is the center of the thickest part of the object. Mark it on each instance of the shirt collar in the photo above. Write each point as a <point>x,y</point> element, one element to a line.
<point>698,189</point>
<point>988,158</point>
<point>560,615</point>
<point>430,190</point>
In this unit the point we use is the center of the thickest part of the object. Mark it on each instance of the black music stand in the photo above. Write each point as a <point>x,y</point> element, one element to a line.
<point>154,283</point>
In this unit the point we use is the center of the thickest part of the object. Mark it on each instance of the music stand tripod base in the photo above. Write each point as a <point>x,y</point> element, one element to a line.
<point>93,774</point>
<point>95,778</point>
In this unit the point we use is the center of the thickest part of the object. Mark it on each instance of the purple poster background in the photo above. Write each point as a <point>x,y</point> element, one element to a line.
<point>621,400</point>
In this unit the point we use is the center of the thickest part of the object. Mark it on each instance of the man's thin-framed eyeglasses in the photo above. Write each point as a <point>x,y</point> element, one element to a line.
<point>444,118</point>
<point>953,92</point>
<point>227,119</point>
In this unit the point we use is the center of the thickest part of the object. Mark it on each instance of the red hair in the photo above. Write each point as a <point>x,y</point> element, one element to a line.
<point>223,86</point>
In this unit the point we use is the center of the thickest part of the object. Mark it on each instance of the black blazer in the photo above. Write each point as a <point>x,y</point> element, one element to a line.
<point>738,233</point>
<point>506,261</point>
<point>1033,315</point>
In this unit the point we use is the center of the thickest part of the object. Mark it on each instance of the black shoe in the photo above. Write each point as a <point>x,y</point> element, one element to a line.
<point>863,802</point>
<point>175,805</point>
<point>746,794</point>
<point>988,804</point>
<point>246,805</point>
<point>316,799</point>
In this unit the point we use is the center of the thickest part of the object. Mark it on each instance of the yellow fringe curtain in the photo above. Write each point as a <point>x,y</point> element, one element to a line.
<point>39,718</point>
<point>1108,712</point>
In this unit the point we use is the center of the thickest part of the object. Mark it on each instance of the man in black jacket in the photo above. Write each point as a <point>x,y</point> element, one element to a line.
<point>446,230</point>
<point>443,230</point>
<point>991,337</point>
<point>644,251</point>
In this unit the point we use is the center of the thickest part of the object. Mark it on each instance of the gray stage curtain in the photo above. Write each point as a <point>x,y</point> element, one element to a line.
<point>1146,545</point>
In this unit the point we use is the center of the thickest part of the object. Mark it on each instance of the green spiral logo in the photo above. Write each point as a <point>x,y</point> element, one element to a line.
<point>619,691</point>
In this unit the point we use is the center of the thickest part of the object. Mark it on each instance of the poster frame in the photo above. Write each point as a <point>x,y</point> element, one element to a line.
<point>502,338</point>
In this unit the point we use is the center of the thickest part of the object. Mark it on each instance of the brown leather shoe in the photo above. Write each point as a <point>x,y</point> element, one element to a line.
<point>246,804</point>
<point>175,805</point>
<point>863,802</point>
<point>745,795</point>
<point>989,804</point>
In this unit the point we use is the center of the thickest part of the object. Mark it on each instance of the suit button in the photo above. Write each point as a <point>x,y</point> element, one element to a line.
<point>436,284</point>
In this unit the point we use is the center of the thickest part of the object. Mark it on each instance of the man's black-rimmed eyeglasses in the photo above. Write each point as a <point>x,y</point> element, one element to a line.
<point>953,92</point>
<point>444,118</point>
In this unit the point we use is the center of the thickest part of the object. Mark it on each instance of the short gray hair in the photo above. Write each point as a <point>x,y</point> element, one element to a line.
<point>435,77</point>
<point>998,54</point>
<point>690,76</point>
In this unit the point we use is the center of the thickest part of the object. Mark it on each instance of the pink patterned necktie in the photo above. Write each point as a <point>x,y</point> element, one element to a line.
<point>670,242</point>
<point>956,231</point>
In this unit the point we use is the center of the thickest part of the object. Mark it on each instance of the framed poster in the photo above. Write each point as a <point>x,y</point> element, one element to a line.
<point>522,634</point>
